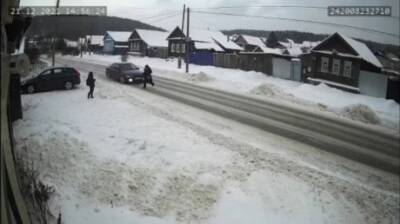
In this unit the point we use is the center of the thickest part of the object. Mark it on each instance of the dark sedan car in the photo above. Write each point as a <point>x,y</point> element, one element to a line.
<point>52,79</point>
<point>125,73</point>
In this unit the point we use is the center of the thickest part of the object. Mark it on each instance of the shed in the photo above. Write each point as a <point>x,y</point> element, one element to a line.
<point>116,42</point>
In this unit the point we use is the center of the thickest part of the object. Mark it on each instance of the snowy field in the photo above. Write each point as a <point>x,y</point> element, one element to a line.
<point>129,156</point>
<point>322,98</point>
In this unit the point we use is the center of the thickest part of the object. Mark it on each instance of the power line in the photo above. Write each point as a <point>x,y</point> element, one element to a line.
<point>166,12</point>
<point>165,17</point>
<point>297,20</point>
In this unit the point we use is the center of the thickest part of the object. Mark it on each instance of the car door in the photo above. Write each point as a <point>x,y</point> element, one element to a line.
<point>115,72</point>
<point>58,78</point>
<point>43,82</point>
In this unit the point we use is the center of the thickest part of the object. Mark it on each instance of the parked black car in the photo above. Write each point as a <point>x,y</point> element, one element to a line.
<point>125,73</point>
<point>52,79</point>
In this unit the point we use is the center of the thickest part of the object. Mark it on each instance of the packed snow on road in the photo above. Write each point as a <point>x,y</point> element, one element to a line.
<point>128,156</point>
<point>321,98</point>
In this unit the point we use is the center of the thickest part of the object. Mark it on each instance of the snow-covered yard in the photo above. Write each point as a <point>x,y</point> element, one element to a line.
<point>128,156</point>
<point>376,111</point>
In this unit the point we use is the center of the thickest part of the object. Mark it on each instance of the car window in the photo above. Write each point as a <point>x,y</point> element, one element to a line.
<point>127,66</point>
<point>45,73</point>
<point>57,71</point>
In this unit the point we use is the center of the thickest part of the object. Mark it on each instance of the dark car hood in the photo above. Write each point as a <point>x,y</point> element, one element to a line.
<point>28,80</point>
<point>132,72</point>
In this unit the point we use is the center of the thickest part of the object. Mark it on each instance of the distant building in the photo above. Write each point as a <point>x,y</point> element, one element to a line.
<point>202,44</point>
<point>94,43</point>
<point>345,63</point>
<point>249,43</point>
<point>150,43</point>
<point>116,42</point>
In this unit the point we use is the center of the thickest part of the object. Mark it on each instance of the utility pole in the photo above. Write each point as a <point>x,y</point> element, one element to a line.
<point>183,28</point>
<point>187,41</point>
<point>53,55</point>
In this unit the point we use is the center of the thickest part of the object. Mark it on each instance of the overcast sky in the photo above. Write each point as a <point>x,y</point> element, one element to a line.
<point>168,14</point>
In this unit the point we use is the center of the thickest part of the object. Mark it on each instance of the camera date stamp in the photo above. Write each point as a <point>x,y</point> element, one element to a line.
<point>359,10</point>
<point>62,10</point>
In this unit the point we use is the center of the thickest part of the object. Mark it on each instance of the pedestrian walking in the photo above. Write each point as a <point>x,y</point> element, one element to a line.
<point>147,76</point>
<point>90,82</point>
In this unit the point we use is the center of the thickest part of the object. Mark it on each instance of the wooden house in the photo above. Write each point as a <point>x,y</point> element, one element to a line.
<point>94,43</point>
<point>249,43</point>
<point>202,44</point>
<point>149,43</point>
<point>345,63</point>
<point>116,42</point>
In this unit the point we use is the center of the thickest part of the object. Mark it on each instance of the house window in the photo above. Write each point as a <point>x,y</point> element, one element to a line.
<point>136,46</point>
<point>132,46</point>
<point>183,48</point>
<point>336,66</point>
<point>325,64</point>
<point>173,48</point>
<point>347,69</point>
<point>176,46</point>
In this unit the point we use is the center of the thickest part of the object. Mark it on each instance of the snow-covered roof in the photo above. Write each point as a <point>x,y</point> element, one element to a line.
<point>271,50</point>
<point>95,39</point>
<point>206,39</point>
<point>119,36</point>
<point>207,46</point>
<point>253,40</point>
<point>223,40</point>
<point>71,43</point>
<point>338,53</point>
<point>362,50</point>
<point>154,38</point>
<point>294,51</point>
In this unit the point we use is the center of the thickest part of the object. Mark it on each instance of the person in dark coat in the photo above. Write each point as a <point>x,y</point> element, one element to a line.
<point>90,82</point>
<point>147,76</point>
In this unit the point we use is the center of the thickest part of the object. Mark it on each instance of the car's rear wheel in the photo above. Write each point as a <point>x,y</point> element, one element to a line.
<point>108,75</point>
<point>121,79</point>
<point>31,89</point>
<point>68,85</point>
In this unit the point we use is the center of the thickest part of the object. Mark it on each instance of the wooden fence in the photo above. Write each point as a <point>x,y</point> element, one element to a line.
<point>227,60</point>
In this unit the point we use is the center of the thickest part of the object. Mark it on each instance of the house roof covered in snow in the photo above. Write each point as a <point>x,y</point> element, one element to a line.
<point>294,51</point>
<point>253,40</point>
<point>154,38</point>
<point>206,39</point>
<point>269,50</point>
<point>360,48</point>
<point>119,36</point>
<point>95,39</point>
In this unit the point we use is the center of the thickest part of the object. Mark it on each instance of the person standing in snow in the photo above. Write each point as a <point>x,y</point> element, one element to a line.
<point>90,82</point>
<point>147,76</point>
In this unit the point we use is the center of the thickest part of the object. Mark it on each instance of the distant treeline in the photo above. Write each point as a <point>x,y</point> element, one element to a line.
<point>73,27</point>
<point>299,37</point>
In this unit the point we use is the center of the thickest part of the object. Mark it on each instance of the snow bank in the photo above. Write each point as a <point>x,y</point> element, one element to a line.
<point>267,90</point>
<point>359,112</point>
<point>200,77</point>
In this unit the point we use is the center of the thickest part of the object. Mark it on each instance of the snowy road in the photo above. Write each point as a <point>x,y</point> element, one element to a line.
<point>367,144</point>
<point>129,156</point>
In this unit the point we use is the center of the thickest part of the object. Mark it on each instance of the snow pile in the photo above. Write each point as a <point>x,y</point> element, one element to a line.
<point>360,112</point>
<point>200,77</point>
<point>266,89</point>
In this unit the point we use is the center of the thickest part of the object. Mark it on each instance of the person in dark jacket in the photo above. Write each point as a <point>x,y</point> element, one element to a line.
<point>90,82</point>
<point>147,76</point>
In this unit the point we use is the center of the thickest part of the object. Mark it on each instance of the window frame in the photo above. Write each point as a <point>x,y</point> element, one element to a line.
<point>347,68</point>
<point>323,60</point>
<point>336,61</point>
